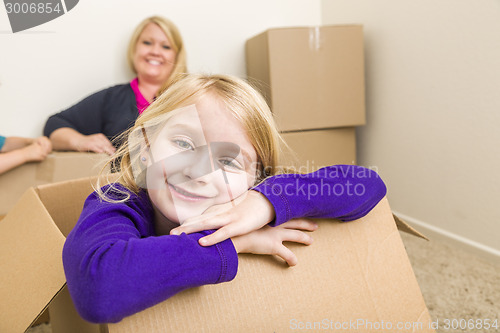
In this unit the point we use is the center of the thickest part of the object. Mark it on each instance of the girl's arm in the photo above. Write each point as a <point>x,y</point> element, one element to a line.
<point>13,142</point>
<point>344,192</point>
<point>21,150</point>
<point>115,266</point>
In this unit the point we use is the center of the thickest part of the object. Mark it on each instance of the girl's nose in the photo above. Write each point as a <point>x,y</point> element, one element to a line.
<point>200,165</point>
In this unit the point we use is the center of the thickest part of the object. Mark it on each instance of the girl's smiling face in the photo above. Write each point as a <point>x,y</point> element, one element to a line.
<point>200,157</point>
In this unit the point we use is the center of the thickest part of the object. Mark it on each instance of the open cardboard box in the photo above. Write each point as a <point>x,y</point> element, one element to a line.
<point>356,276</point>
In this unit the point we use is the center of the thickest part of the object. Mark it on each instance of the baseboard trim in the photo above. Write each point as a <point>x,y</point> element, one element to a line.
<point>436,233</point>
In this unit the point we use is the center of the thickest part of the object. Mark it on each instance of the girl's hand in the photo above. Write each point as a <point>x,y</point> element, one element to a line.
<point>269,240</point>
<point>44,143</point>
<point>245,214</point>
<point>38,150</point>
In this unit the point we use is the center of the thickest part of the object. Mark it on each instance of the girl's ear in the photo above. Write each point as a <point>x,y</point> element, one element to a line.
<point>145,156</point>
<point>145,148</point>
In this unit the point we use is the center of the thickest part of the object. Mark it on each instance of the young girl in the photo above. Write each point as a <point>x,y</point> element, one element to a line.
<point>202,144</point>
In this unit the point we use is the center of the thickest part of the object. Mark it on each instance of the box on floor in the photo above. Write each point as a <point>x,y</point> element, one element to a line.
<point>58,166</point>
<point>312,77</point>
<point>355,276</point>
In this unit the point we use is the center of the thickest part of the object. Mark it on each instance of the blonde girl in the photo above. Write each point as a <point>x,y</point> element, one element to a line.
<point>203,156</point>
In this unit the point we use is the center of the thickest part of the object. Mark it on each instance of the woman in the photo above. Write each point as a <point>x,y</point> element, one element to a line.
<point>156,55</point>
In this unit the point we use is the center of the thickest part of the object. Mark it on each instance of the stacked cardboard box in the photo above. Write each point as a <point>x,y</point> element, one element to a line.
<point>313,79</point>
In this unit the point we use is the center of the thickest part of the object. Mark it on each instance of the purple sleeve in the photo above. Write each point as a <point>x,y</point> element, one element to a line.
<point>344,192</point>
<point>116,267</point>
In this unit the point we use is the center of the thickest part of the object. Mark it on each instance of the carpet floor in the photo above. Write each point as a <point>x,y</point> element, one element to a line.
<point>456,285</point>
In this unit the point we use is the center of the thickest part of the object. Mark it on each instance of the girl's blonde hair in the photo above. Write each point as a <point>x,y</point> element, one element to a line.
<point>243,101</point>
<point>175,38</point>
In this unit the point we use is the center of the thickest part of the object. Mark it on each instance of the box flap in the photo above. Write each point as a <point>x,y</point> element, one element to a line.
<point>31,271</point>
<point>403,226</point>
<point>71,195</point>
<point>355,273</point>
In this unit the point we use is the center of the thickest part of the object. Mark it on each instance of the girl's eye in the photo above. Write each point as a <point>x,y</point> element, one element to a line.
<point>146,42</point>
<point>166,47</point>
<point>230,163</point>
<point>183,144</point>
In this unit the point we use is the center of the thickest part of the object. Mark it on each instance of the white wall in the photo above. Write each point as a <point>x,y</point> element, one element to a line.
<point>433,110</point>
<point>433,86</point>
<point>50,67</point>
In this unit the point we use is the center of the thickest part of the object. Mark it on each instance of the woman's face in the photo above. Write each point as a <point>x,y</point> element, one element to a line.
<point>154,57</point>
<point>200,158</point>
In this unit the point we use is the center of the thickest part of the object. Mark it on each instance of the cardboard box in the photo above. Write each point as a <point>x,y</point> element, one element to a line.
<point>312,150</point>
<point>355,273</point>
<point>355,277</point>
<point>58,166</point>
<point>312,77</point>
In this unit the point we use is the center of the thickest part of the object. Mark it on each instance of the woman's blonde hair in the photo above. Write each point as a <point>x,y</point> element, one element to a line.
<point>241,99</point>
<point>175,38</point>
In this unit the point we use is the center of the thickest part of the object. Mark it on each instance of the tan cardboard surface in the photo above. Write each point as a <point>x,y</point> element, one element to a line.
<point>64,202</point>
<point>404,226</point>
<point>312,77</point>
<point>65,319</point>
<point>354,272</point>
<point>58,166</point>
<point>30,263</point>
<point>31,242</point>
<point>316,149</point>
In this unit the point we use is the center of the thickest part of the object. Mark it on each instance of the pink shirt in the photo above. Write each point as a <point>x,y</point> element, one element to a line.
<point>141,102</point>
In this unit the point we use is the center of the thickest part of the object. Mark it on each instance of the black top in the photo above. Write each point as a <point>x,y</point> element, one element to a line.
<point>110,111</point>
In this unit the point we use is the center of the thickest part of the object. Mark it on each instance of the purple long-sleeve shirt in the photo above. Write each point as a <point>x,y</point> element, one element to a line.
<point>116,266</point>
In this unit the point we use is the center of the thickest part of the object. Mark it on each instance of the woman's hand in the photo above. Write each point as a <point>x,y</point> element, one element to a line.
<point>97,143</point>
<point>269,240</point>
<point>66,138</point>
<point>247,213</point>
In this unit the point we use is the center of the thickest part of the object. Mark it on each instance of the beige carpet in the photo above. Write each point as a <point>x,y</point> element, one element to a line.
<point>455,284</point>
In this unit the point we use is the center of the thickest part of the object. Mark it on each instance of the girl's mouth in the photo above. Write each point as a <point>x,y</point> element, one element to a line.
<point>185,195</point>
